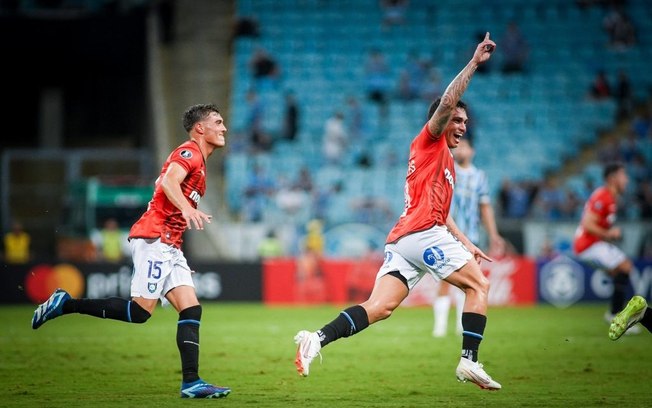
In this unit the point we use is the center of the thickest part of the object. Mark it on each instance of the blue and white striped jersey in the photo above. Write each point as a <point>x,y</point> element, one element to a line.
<point>471,190</point>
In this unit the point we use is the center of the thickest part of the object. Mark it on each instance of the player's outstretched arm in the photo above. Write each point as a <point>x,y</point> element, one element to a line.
<point>456,88</point>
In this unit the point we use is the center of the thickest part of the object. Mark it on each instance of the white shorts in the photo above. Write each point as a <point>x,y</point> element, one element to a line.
<point>158,268</point>
<point>435,251</point>
<point>603,255</point>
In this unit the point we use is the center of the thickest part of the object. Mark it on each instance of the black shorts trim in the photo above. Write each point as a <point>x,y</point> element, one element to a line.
<point>400,277</point>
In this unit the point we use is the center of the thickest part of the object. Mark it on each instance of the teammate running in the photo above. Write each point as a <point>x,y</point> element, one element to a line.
<point>160,268</point>
<point>596,234</point>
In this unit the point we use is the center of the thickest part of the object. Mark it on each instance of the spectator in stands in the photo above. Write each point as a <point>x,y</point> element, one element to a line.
<point>17,244</point>
<point>304,180</point>
<point>393,12</point>
<point>377,80</point>
<point>323,197</point>
<point>549,201</point>
<point>259,188</point>
<point>620,27</point>
<point>354,119</point>
<point>609,151</point>
<point>514,48</point>
<point>514,199</point>
<point>624,96</point>
<point>264,68</point>
<point>260,140</point>
<point>271,246</point>
<point>412,77</point>
<point>246,27</point>
<point>642,123</point>
<point>110,242</point>
<point>600,87</point>
<point>372,211</point>
<point>290,199</point>
<point>335,138</point>
<point>290,117</point>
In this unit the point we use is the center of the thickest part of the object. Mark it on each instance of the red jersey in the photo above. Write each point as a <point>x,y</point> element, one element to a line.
<point>428,186</point>
<point>603,204</point>
<point>162,218</point>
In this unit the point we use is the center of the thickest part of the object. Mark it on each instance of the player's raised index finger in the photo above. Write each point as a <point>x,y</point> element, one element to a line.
<point>486,36</point>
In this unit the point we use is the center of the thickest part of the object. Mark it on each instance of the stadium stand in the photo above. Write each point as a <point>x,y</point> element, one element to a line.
<point>525,125</point>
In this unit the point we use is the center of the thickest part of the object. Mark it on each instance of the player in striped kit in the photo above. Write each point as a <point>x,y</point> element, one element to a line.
<point>425,239</point>
<point>471,205</point>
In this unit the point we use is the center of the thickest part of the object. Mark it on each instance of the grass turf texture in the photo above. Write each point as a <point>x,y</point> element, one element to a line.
<point>542,356</point>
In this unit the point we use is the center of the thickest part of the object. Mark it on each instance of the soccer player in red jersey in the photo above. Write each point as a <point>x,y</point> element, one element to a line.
<point>594,237</point>
<point>425,239</point>
<point>160,268</point>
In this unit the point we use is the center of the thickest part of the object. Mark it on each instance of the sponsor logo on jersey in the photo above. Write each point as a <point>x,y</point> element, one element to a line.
<point>449,177</point>
<point>186,154</point>
<point>195,196</point>
<point>412,166</point>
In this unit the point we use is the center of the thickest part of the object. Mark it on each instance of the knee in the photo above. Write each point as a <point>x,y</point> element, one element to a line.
<point>624,267</point>
<point>480,286</point>
<point>137,314</point>
<point>380,310</point>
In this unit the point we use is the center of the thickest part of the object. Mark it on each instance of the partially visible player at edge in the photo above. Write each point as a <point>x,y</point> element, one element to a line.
<point>160,267</point>
<point>636,311</point>
<point>425,239</point>
<point>596,233</point>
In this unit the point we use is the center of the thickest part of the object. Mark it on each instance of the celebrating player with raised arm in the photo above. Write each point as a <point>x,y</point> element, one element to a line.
<point>425,239</point>
<point>160,268</point>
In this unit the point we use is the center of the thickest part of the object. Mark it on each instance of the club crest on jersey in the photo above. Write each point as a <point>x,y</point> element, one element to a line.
<point>388,256</point>
<point>186,154</point>
<point>151,286</point>
<point>434,255</point>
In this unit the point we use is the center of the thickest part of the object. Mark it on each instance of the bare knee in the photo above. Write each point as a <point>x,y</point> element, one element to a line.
<point>377,310</point>
<point>625,267</point>
<point>479,286</point>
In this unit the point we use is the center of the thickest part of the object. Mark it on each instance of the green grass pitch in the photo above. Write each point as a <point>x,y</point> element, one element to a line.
<point>543,356</point>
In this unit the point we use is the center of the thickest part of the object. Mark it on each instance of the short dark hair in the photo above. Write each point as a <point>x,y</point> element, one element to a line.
<point>611,168</point>
<point>435,104</point>
<point>197,113</point>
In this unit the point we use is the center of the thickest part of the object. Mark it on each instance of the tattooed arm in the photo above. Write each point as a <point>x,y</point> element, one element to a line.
<point>456,88</point>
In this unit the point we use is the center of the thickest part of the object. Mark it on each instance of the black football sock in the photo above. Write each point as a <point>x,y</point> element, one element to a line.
<point>646,321</point>
<point>618,297</point>
<point>473,325</point>
<point>110,308</point>
<point>349,322</point>
<point>188,342</point>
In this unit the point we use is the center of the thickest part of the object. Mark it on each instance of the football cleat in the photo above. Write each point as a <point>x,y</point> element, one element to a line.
<point>308,346</point>
<point>201,389</point>
<point>627,318</point>
<point>51,308</point>
<point>468,370</point>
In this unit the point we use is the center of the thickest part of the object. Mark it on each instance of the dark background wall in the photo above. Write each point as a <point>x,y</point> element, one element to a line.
<point>97,62</point>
